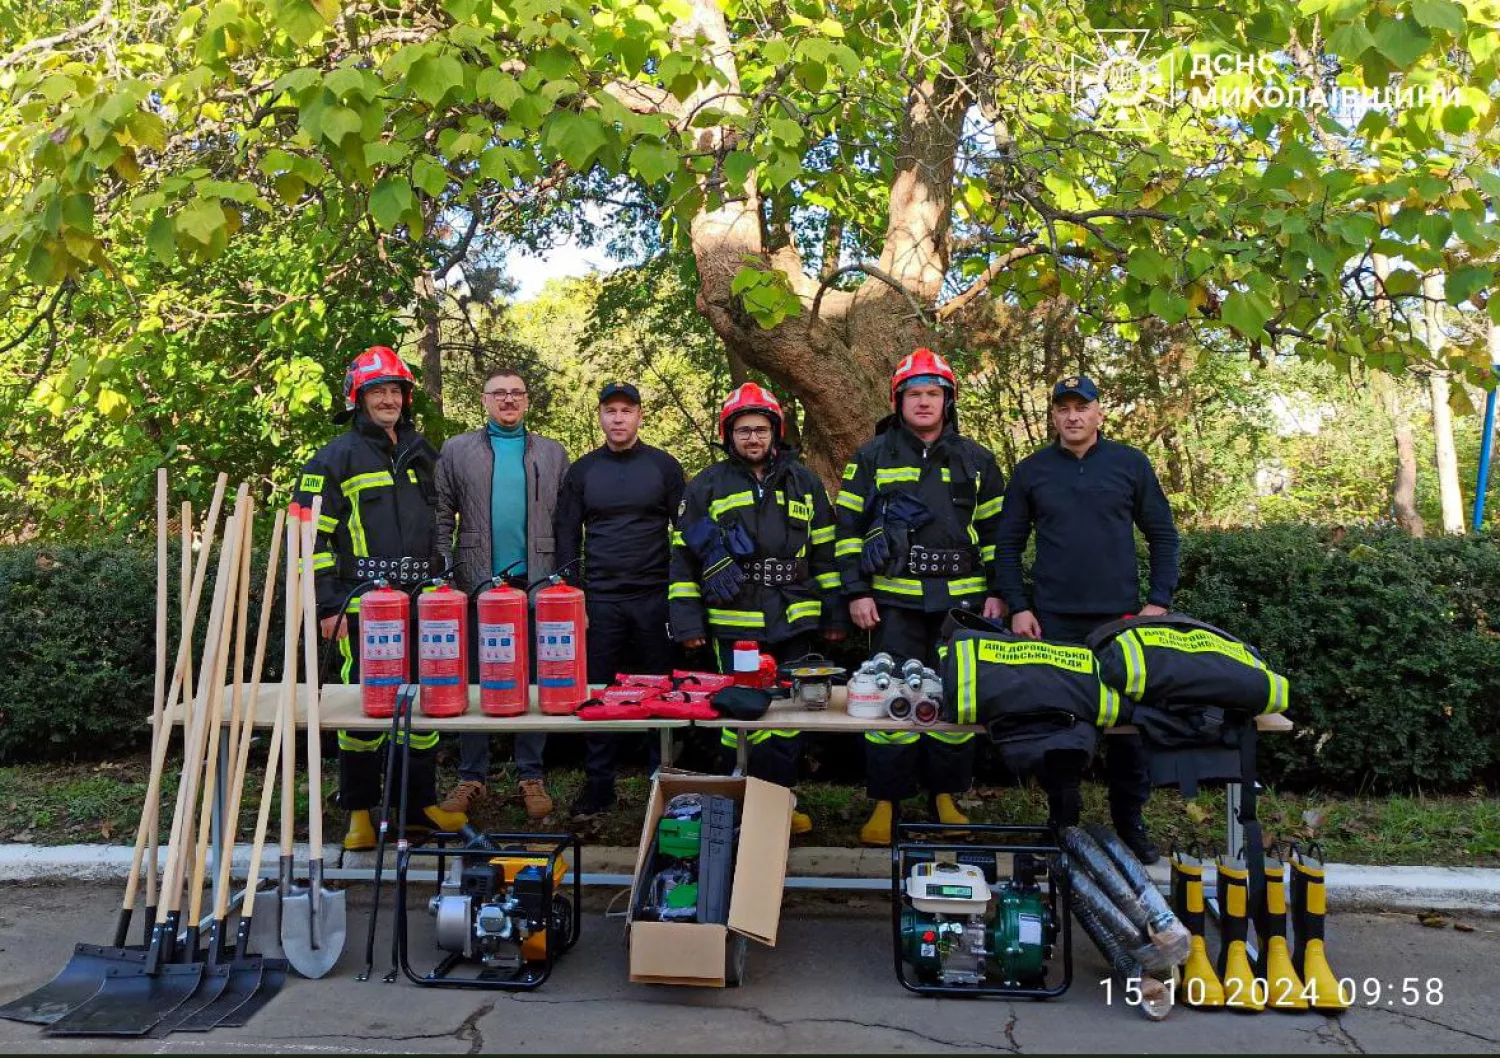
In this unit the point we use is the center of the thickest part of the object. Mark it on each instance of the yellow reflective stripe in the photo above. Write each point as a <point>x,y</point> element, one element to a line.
<point>1280,695</point>
<point>989,508</point>
<point>684,589</point>
<point>798,611</point>
<point>737,618</point>
<point>353,606</point>
<point>730,737</point>
<point>1135,665</point>
<point>850,545</point>
<point>828,581</point>
<point>352,743</point>
<point>850,469</point>
<point>327,524</point>
<point>411,475</point>
<point>888,475</point>
<point>677,540</point>
<point>357,542</point>
<point>966,586</point>
<point>892,738</point>
<point>421,739</point>
<point>968,679</point>
<point>322,560</point>
<point>772,732</point>
<point>851,501</point>
<point>901,585</point>
<point>947,476</point>
<point>973,534</point>
<point>824,535</point>
<point>987,553</point>
<point>952,738</point>
<point>1109,705</point>
<point>360,482</point>
<point>729,503</point>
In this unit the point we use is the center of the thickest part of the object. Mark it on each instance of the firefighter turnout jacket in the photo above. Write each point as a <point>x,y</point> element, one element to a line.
<point>958,482</point>
<point>379,502</point>
<point>785,516</point>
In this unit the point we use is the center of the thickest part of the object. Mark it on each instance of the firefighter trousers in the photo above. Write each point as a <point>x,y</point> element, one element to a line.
<point>773,753</point>
<point>899,764</point>
<point>361,760</point>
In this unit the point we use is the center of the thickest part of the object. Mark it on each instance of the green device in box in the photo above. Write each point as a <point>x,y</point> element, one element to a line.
<point>679,838</point>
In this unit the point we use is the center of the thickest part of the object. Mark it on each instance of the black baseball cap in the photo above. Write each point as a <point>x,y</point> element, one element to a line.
<point>620,389</point>
<point>1075,386</point>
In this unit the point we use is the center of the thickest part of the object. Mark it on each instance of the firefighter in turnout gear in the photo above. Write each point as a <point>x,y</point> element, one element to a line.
<point>917,512</point>
<point>376,480</point>
<point>752,559</point>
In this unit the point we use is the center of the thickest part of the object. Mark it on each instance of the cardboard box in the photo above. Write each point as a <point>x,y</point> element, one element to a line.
<point>695,953</point>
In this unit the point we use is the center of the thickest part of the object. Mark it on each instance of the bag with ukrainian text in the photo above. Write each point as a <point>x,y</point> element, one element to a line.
<point>1034,697</point>
<point>1173,660</point>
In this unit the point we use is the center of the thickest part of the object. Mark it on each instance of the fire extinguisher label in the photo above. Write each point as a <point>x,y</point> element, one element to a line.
<point>497,644</point>
<point>440,640</point>
<point>385,640</point>
<point>555,641</point>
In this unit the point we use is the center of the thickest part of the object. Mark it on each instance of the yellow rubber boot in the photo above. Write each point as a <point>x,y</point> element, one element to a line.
<point>801,822</point>
<point>1200,984</point>
<point>877,829</point>
<point>1309,908</point>
<point>1242,991</point>
<point>442,819</point>
<point>360,836</point>
<point>1283,986</point>
<point>947,812</point>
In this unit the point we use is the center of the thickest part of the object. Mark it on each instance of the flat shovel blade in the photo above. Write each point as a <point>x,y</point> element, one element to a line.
<point>272,977</point>
<point>75,984</point>
<point>241,979</point>
<point>210,987</point>
<point>131,1001</point>
<point>313,956</point>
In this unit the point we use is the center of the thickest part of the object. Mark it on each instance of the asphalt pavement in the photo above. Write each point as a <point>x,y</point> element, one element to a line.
<point>827,987</point>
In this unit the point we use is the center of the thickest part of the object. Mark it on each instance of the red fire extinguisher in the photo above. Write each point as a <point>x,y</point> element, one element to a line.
<point>443,651</point>
<point>561,658</point>
<point>504,674</point>
<point>384,660</point>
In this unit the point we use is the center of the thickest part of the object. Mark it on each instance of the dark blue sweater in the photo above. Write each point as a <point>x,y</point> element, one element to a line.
<point>1084,510</point>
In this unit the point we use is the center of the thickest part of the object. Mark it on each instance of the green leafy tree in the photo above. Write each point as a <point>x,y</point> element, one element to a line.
<point>850,175</point>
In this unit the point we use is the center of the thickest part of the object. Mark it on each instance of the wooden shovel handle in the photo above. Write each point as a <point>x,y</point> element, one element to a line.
<point>289,681</point>
<point>310,661</point>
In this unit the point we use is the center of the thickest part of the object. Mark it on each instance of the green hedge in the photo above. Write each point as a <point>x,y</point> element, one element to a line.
<point>1392,646</point>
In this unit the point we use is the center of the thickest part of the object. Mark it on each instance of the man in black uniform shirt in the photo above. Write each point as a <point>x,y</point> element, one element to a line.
<point>615,509</point>
<point>1084,494</point>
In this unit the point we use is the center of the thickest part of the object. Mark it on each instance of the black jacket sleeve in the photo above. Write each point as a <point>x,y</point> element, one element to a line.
<point>1153,514</point>
<point>1011,532</point>
<point>320,478</point>
<point>685,612</point>
<point>852,509</point>
<point>567,521</point>
<point>987,514</point>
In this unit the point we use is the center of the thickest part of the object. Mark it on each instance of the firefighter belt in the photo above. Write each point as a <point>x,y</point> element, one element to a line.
<point>940,561</point>
<point>777,572</point>
<point>405,572</point>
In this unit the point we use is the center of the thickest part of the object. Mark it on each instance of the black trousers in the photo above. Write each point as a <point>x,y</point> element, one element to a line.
<point>624,635</point>
<point>362,752</point>
<point>898,764</point>
<point>773,753</point>
<point>1126,767</point>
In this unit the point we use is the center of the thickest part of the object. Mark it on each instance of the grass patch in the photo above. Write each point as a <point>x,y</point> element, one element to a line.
<point>57,804</point>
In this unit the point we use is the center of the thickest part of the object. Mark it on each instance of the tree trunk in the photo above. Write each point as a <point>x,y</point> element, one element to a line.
<point>1449,490</point>
<point>1388,394</point>
<point>430,339</point>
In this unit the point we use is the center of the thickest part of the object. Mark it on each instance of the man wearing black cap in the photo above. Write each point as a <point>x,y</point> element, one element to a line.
<point>1084,494</point>
<point>615,507</point>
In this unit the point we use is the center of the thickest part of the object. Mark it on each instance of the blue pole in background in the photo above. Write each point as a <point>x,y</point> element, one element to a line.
<point>1486,444</point>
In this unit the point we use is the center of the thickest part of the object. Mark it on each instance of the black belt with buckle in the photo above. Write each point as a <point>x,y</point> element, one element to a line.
<point>405,572</point>
<point>940,562</point>
<point>776,572</point>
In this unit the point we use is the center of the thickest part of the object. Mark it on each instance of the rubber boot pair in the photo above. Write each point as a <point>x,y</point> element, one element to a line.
<point>360,836</point>
<point>877,829</point>
<point>1309,910</point>
<point>1201,987</point>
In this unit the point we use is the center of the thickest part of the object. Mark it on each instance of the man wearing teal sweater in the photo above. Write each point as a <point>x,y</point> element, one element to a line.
<point>497,487</point>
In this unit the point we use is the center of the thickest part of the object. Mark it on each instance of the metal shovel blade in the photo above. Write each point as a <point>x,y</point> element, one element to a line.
<point>313,955</point>
<point>131,1002</point>
<point>75,984</point>
<point>241,979</point>
<point>272,977</point>
<point>210,988</point>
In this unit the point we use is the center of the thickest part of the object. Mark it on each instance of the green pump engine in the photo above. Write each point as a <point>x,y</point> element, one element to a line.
<point>948,936</point>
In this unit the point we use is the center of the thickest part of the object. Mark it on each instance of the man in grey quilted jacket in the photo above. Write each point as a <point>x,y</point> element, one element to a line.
<point>497,487</point>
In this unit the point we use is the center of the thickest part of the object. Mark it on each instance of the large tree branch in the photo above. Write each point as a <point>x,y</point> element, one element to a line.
<point>67,36</point>
<point>874,273</point>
